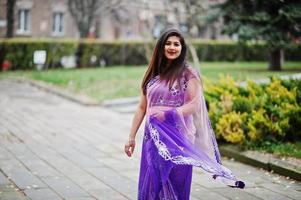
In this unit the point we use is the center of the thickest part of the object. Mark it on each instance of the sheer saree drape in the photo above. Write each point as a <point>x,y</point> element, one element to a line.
<point>184,138</point>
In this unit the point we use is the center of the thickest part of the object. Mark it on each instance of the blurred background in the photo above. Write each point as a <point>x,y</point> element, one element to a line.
<point>248,53</point>
<point>107,20</point>
<point>101,48</point>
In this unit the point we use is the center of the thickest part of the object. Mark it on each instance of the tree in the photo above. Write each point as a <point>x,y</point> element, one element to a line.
<point>277,22</point>
<point>84,13</point>
<point>193,21</point>
<point>10,19</point>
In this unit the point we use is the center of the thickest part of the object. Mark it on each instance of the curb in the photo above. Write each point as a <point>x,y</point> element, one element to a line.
<point>83,100</point>
<point>261,160</point>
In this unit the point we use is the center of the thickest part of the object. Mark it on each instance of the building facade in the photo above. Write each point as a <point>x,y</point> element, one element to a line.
<point>131,19</point>
<point>40,19</point>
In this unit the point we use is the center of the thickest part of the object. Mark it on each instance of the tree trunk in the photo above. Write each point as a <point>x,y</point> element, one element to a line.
<point>2,56</point>
<point>276,58</point>
<point>10,4</point>
<point>79,55</point>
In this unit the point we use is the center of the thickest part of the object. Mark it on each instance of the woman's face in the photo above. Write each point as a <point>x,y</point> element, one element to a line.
<point>172,48</point>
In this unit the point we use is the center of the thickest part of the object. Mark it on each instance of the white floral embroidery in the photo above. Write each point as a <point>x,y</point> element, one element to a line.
<point>181,160</point>
<point>164,152</point>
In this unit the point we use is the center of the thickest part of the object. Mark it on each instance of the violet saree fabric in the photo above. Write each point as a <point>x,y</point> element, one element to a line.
<point>183,139</point>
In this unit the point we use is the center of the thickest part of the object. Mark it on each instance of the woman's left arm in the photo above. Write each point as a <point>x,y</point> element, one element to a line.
<point>193,91</point>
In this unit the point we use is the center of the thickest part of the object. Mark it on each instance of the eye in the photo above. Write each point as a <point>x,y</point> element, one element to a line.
<point>167,43</point>
<point>177,44</point>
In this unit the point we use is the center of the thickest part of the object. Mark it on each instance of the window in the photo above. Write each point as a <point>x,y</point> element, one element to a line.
<point>23,21</point>
<point>57,26</point>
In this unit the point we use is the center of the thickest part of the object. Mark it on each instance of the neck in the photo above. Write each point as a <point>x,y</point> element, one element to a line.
<point>168,63</point>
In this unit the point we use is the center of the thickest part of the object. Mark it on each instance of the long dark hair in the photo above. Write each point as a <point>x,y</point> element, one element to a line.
<point>158,64</point>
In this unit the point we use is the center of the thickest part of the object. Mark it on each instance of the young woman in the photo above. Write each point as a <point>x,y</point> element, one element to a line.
<point>177,134</point>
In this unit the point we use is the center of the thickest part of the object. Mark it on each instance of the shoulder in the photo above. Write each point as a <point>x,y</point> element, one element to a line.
<point>191,72</point>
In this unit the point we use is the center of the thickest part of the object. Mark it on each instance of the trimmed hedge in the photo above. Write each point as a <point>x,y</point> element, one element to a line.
<point>20,52</point>
<point>230,51</point>
<point>255,114</point>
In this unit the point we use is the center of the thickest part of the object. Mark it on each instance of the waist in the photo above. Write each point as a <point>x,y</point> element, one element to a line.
<point>154,109</point>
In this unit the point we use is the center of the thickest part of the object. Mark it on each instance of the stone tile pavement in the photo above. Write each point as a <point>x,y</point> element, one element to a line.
<point>51,148</point>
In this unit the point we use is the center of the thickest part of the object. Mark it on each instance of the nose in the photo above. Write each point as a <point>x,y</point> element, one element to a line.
<point>172,47</point>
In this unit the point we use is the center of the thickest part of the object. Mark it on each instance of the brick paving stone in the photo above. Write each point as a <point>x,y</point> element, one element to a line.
<point>87,181</point>
<point>115,180</point>
<point>199,192</point>
<point>56,149</point>
<point>82,198</point>
<point>236,194</point>
<point>42,194</point>
<point>63,165</point>
<point>132,174</point>
<point>285,191</point>
<point>21,176</point>
<point>9,193</point>
<point>3,180</point>
<point>206,181</point>
<point>78,158</point>
<point>65,188</point>
<point>108,193</point>
<point>266,194</point>
<point>24,179</point>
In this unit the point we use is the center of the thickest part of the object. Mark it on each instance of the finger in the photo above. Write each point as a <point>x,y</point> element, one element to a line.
<point>132,149</point>
<point>128,153</point>
<point>127,150</point>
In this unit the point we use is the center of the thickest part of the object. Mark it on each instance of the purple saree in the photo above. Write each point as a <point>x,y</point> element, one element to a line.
<point>184,138</point>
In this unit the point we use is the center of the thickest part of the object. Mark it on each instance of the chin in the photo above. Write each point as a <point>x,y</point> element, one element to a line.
<point>172,58</point>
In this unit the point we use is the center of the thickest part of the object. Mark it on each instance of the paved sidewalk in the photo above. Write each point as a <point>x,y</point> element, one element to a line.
<point>51,148</point>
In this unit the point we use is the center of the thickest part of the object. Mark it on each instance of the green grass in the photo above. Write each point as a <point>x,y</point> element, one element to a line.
<point>282,149</point>
<point>242,71</point>
<point>124,81</point>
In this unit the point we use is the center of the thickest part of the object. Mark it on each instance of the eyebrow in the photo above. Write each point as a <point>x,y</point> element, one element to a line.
<point>173,42</point>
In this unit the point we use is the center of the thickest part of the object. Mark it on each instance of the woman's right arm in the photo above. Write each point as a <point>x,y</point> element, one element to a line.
<point>138,118</point>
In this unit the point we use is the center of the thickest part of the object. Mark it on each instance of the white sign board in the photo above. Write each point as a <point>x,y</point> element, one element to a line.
<point>39,57</point>
<point>2,23</point>
<point>68,62</point>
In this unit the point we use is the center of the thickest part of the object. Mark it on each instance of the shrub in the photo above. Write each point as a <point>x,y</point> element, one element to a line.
<point>255,114</point>
<point>278,94</point>
<point>20,52</point>
<point>230,127</point>
<point>293,84</point>
<point>231,51</point>
<point>242,104</point>
<point>260,127</point>
<point>226,102</point>
<point>294,121</point>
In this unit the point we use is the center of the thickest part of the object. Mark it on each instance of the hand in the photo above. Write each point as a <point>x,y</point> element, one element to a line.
<point>160,115</point>
<point>129,147</point>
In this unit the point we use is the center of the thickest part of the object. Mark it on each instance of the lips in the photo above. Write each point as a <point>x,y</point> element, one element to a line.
<point>172,53</point>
